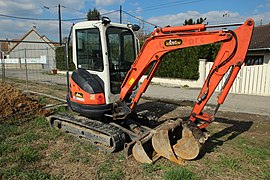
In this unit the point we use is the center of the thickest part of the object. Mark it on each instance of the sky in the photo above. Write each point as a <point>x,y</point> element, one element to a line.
<point>44,13</point>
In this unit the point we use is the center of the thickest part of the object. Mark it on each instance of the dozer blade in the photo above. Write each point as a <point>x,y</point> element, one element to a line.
<point>188,147</point>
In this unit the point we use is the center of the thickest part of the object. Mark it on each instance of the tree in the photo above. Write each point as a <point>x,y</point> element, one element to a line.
<point>143,33</point>
<point>93,14</point>
<point>209,51</point>
<point>201,20</point>
<point>190,21</point>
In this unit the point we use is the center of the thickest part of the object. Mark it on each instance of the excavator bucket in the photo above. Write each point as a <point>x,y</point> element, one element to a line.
<point>162,145</point>
<point>143,152</point>
<point>173,140</point>
<point>188,147</point>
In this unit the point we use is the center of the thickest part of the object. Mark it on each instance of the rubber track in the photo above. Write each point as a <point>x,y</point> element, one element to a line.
<point>117,135</point>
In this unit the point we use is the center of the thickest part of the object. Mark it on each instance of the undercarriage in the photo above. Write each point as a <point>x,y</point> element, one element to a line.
<point>144,143</point>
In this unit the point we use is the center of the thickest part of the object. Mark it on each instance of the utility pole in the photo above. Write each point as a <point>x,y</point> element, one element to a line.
<point>59,20</point>
<point>120,13</point>
<point>60,24</point>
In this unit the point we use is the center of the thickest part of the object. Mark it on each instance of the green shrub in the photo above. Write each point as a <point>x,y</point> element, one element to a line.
<point>60,56</point>
<point>184,63</point>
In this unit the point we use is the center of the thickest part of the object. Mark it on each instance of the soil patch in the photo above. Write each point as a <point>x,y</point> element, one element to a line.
<point>14,103</point>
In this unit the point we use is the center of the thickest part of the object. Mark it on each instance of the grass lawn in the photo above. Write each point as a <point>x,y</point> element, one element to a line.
<point>30,149</point>
<point>238,148</point>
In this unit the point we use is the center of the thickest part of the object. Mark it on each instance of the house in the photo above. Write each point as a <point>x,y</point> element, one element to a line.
<point>38,50</point>
<point>259,48</point>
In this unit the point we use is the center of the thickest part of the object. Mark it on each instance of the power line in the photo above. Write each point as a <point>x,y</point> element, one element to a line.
<point>113,11</point>
<point>75,19</point>
<point>163,4</point>
<point>140,19</point>
<point>26,18</point>
<point>72,19</point>
<point>77,10</point>
<point>166,5</point>
<point>22,10</point>
<point>39,19</point>
<point>50,19</point>
<point>159,6</point>
<point>49,7</point>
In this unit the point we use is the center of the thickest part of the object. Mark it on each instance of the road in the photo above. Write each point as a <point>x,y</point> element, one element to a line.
<point>41,76</point>
<point>235,102</point>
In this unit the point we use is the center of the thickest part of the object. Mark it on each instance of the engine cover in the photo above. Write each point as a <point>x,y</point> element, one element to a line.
<point>86,94</point>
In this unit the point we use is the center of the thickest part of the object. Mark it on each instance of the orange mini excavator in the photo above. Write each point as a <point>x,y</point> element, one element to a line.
<point>104,89</point>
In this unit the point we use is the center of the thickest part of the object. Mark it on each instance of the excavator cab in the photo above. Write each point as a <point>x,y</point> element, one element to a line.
<point>103,52</point>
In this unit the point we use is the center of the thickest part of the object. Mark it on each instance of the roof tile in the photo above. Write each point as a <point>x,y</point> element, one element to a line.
<point>260,37</point>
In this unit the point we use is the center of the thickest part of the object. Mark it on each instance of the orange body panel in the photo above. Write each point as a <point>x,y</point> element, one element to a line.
<point>80,96</point>
<point>198,27</point>
<point>231,55</point>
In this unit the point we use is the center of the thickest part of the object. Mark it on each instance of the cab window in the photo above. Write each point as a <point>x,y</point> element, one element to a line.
<point>121,54</point>
<point>89,49</point>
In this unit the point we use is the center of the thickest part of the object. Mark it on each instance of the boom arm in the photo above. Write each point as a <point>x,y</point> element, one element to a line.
<point>163,40</point>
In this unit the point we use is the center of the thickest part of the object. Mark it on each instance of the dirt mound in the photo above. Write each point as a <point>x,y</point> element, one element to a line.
<point>13,103</point>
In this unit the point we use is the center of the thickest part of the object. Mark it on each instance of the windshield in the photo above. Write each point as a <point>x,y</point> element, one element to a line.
<point>121,54</point>
<point>89,51</point>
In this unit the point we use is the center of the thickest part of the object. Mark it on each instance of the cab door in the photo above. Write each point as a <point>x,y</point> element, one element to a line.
<point>121,54</point>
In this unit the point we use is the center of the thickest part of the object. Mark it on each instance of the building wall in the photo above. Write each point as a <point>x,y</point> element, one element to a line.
<point>265,54</point>
<point>35,50</point>
<point>22,66</point>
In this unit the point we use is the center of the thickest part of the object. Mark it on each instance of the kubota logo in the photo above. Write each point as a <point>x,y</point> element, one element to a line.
<point>173,42</point>
<point>79,95</point>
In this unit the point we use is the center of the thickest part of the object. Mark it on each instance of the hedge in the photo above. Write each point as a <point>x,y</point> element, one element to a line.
<point>60,56</point>
<point>184,63</point>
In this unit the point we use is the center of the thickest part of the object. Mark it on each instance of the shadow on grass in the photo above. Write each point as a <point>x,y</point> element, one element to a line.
<point>155,108</point>
<point>237,127</point>
<point>150,112</point>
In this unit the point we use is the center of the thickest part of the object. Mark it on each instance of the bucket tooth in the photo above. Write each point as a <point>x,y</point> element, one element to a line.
<point>162,145</point>
<point>188,147</point>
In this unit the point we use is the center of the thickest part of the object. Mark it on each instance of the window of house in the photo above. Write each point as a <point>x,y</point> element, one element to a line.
<point>253,60</point>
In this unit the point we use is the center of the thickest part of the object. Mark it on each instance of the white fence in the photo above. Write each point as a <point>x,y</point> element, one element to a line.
<point>250,80</point>
<point>253,80</point>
